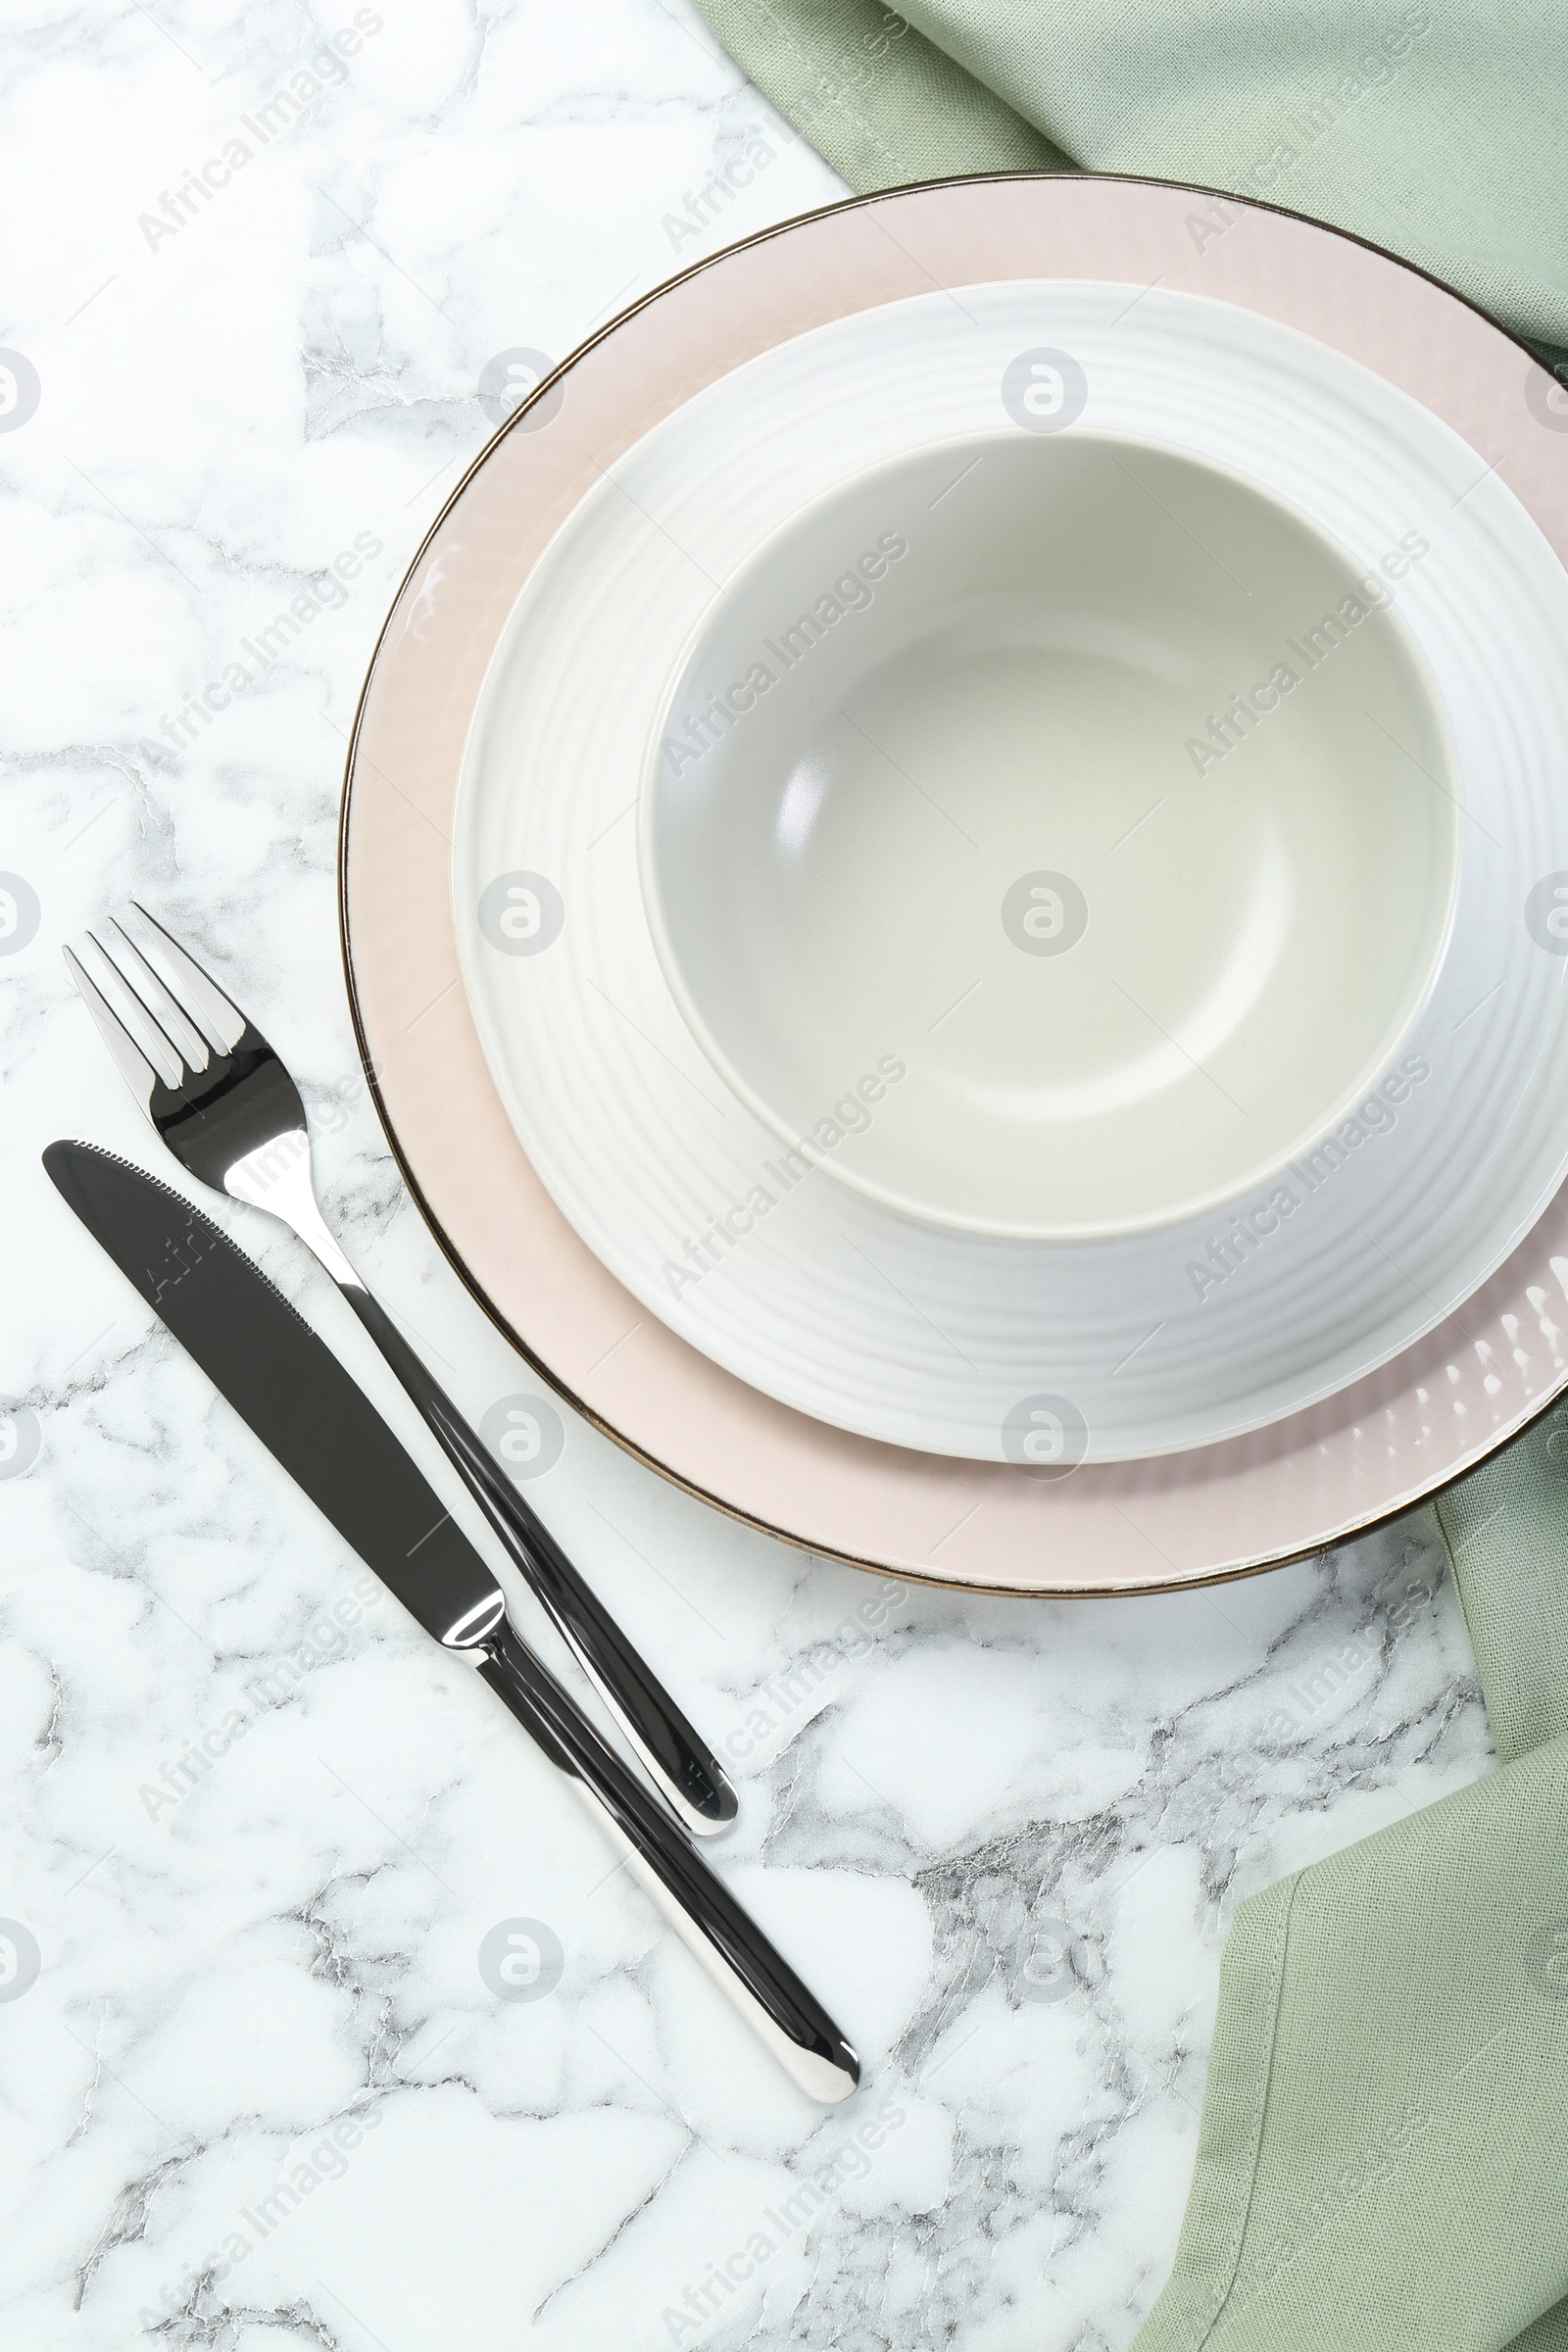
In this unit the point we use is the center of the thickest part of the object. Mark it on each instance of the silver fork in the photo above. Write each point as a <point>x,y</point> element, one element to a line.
<point>231,1114</point>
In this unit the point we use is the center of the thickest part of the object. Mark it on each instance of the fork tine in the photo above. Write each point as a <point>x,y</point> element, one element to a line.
<point>146,1030</point>
<point>132,1064</point>
<point>223,1022</point>
<point>166,1009</point>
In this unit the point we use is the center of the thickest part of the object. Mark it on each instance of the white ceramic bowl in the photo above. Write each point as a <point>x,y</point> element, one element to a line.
<point>1067,756</point>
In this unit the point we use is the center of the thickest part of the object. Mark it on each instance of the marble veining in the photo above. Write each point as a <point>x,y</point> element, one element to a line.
<point>324,2019</point>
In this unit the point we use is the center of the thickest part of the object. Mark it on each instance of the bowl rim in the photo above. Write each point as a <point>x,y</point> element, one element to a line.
<point>909,1205</point>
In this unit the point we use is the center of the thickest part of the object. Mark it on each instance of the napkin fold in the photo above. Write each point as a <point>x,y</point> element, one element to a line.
<point>1381,2160</point>
<point>1440,131</point>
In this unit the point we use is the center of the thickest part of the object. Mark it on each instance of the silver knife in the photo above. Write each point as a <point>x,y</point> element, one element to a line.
<point>289,1388</point>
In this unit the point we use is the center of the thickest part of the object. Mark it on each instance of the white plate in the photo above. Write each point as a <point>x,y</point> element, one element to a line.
<point>827,1298</point>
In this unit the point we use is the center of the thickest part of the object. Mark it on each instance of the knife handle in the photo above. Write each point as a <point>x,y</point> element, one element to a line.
<point>787,2016</point>
<point>680,1763</point>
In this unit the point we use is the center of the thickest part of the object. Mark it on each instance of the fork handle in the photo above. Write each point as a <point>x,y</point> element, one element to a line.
<point>684,1768</point>
<point>759,1980</point>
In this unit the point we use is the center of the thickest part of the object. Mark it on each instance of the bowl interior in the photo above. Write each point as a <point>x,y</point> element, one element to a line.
<point>1052,835</point>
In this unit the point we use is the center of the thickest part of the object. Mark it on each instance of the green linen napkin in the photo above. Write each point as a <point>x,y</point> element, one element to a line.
<point>1440,131</point>
<point>1381,2161</point>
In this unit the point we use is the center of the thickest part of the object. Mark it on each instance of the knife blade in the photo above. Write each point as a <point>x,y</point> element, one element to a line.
<point>310,1414</point>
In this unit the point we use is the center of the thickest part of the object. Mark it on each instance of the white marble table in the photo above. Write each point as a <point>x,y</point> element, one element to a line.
<point>266,2086</point>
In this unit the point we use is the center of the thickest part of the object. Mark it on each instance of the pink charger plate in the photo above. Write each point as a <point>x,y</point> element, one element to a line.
<point>1377,1448</point>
